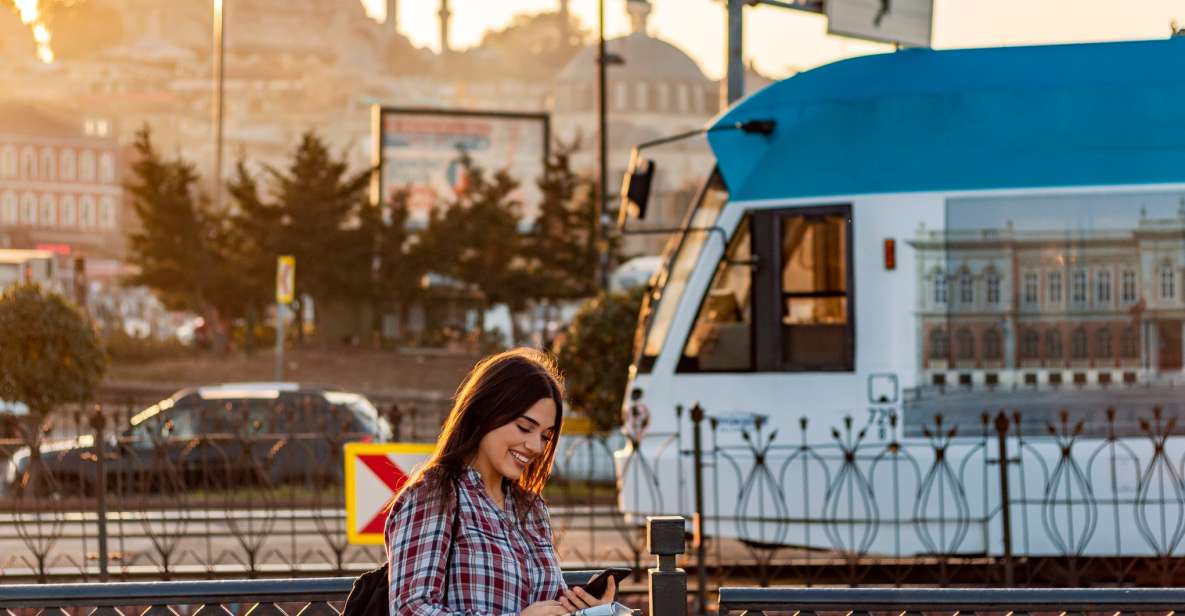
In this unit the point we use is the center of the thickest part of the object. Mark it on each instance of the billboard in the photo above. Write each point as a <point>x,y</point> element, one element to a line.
<point>420,149</point>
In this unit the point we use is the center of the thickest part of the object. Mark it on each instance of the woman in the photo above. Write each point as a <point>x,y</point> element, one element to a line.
<point>469,533</point>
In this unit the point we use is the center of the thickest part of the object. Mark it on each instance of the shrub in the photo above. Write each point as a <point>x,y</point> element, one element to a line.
<point>596,353</point>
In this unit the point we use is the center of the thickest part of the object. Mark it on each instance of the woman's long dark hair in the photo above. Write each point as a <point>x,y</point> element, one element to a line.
<point>499,389</point>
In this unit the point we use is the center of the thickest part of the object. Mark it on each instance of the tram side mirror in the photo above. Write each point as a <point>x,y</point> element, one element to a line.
<point>635,189</point>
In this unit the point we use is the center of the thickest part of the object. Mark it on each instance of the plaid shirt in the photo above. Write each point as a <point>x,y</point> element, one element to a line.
<point>498,565</point>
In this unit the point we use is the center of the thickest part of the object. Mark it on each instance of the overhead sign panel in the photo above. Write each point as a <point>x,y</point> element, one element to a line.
<point>421,150</point>
<point>908,22</point>
<point>374,474</point>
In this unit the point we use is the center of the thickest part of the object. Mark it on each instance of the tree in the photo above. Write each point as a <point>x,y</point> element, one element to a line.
<point>475,238</point>
<point>319,204</point>
<point>396,266</point>
<point>176,248</point>
<point>595,356</point>
<point>533,47</point>
<point>49,355</point>
<point>560,251</point>
<point>252,246</point>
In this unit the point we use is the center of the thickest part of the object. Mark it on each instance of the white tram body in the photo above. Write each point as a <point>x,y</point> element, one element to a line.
<point>922,233</point>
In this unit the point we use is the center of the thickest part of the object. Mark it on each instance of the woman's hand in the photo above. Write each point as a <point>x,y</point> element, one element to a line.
<point>545,608</point>
<point>577,598</point>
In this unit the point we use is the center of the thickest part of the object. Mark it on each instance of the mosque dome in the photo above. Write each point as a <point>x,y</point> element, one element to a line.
<point>644,57</point>
<point>653,76</point>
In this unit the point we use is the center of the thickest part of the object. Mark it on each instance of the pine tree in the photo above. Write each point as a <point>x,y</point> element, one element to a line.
<point>176,248</point>
<point>560,251</point>
<point>475,238</point>
<point>318,202</point>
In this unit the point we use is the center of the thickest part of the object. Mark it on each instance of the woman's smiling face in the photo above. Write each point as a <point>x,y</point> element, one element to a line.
<point>506,451</point>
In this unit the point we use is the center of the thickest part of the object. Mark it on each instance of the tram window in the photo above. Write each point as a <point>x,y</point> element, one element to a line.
<point>683,252</point>
<point>721,339</point>
<point>817,331</point>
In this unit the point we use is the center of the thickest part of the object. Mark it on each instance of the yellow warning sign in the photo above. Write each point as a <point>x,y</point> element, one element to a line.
<point>374,474</point>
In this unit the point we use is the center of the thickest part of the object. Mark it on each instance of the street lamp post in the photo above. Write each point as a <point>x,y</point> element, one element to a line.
<point>219,53</point>
<point>602,151</point>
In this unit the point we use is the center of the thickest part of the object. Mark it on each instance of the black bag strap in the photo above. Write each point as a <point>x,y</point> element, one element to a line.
<point>448,560</point>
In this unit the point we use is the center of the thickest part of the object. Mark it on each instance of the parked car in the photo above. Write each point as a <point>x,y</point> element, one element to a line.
<point>218,437</point>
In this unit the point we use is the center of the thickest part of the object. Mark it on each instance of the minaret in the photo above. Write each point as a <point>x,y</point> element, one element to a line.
<point>639,11</point>
<point>445,15</point>
<point>392,23</point>
<point>565,20</point>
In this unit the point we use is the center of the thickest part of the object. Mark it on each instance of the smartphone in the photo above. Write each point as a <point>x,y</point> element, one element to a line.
<point>600,582</point>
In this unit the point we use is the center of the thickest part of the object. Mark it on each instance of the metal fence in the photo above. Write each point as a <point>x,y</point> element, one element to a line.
<point>996,507</point>
<point>241,498</point>
<point>279,597</point>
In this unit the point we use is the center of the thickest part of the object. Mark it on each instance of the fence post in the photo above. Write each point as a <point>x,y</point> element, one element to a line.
<point>701,567</point>
<point>98,422</point>
<point>668,583</point>
<point>1005,498</point>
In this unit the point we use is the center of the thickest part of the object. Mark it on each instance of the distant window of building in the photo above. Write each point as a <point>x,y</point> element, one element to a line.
<point>107,169</point>
<point>621,95</point>
<point>96,127</point>
<point>993,288</point>
<point>1029,342</point>
<point>1102,343</point>
<point>1053,344</point>
<point>939,344</point>
<point>966,344</point>
<point>1078,287</point>
<point>86,212</point>
<point>697,99</point>
<point>642,96</point>
<point>68,211</point>
<point>1102,283</point>
<point>1168,279</point>
<point>48,214</point>
<point>1128,287</point>
<point>1030,291</point>
<point>9,208</point>
<point>939,287</point>
<point>992,349</point>
<point>664,98</point>
<point>68,165</point>
<point>1078,344</point>
<point>8,162</point>
<point>28,209</point>
<point>28,164</point>
<point>107,213</point>
<point>1129,343</point>
<point>682,98</point>
<point>49,165</point>
<point>86,166</point>
<point>966,288</point>
<point>1055,287</point>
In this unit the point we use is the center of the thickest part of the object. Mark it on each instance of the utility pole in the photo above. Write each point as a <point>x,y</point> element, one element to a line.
<point>602,275</point>
<point>219,74</point>
<point>734,82</point>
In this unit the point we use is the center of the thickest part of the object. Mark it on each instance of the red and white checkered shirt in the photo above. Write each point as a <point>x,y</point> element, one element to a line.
<point>498,565</point>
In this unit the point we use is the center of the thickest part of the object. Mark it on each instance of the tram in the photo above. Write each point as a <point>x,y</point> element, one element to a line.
<point>891,251</point>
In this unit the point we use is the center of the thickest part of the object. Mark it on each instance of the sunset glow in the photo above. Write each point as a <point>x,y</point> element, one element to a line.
<point>31,16</point>
<point>375,9</point>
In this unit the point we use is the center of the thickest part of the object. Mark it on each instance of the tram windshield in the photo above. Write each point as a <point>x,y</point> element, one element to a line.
<point>679,258</point>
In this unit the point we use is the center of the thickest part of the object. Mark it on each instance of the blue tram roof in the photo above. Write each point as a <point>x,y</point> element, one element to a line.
<point>925,120</point>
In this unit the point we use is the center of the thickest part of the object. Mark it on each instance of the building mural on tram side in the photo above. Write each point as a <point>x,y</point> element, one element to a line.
<point>1037,304</point>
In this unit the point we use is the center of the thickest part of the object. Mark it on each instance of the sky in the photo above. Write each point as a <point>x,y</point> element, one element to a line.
<point>780,41</point>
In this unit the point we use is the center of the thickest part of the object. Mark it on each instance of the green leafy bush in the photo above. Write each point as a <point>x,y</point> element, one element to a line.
<point>595,356</point>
